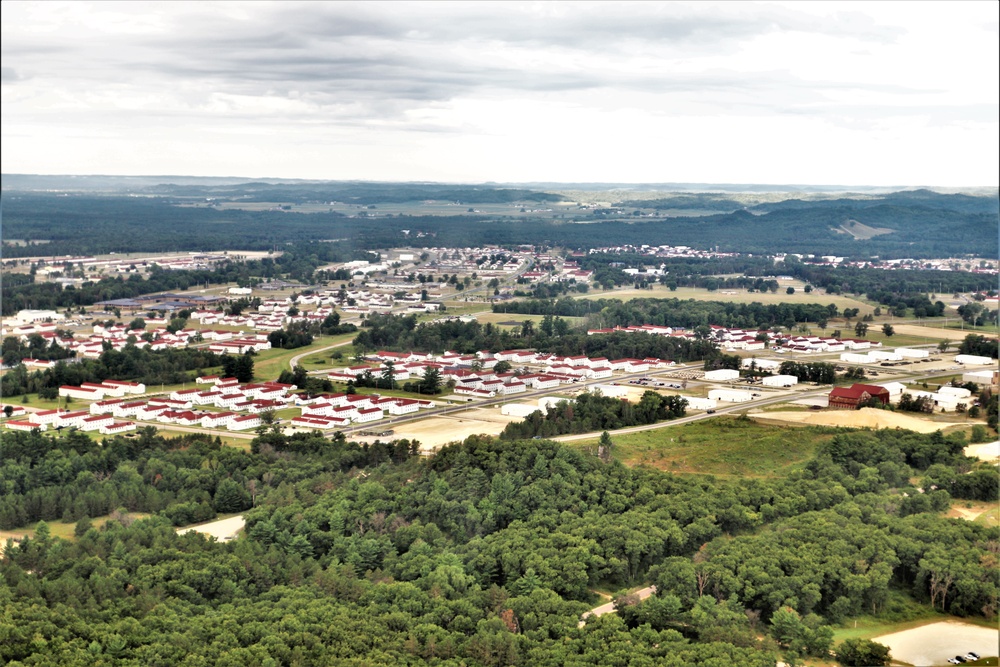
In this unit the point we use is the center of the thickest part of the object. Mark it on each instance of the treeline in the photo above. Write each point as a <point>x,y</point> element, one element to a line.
<point>186,479</point>
<point>687,313</point>
<point>980,345</point>
<point>552,335</point>
<point>886,287</point>
<point>485,553</point>
<point>170,366</point>
<point>809,371</point>
<point>594,412</point>
<point>52,296</point>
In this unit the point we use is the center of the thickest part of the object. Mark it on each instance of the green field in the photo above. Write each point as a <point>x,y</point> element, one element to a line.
<point>732,295</point>
<point>724,446</point>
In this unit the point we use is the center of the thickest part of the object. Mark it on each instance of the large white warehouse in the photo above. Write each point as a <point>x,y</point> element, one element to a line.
<point>730,395</point>
<point>780,381</point>
<point>973,360</point>
<point>722,375</point>
<point>518,409</point>
<point>699,403</point>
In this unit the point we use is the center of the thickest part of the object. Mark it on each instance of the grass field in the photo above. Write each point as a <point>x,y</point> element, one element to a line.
<point>724,446</point>
<point>734,295</point>
<point>61,529</point>
<point>269,363</point>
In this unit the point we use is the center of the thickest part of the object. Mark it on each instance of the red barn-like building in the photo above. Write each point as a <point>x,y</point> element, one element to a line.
<point>851,398</point>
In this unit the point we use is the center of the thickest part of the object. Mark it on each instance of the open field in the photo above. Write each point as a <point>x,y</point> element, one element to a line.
<point>723,446</point>
<point>863,418</point>
<point>733,295</point>
<point>63,529</point>
<point>940,333</point>
<point>981,512</point>
<point>435,432</point>
<point>269,363</point>
<point>935,643</point>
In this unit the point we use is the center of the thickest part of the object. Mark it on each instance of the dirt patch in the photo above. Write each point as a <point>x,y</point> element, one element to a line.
<point>930,332</point>
<point>863,418</point>
<point>436,432</point>
<point>989,451</point>
<point>961,511</point>
<point>934,644</point>
<point>223,529</point>
<point>861,231</point>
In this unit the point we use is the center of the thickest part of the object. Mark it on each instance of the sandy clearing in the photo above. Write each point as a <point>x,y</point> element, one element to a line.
<point>989,451</point>
<point>863,418</point>
<point>931,332</point>
<point>435,432</point>
<point>933,644</point>
<point>223,529</point>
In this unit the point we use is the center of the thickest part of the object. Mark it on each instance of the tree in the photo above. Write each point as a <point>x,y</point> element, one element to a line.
<point>8,410</point>
<point>431,382</point>
<point>501,367</point>
<point>888,330</point>
<point>604,446</point>
<point>137,323</point>
<point>943,346</point>
<point>230,497</point>
<point>790,290</point>
<point>861,328</point>
<point>862,653</point>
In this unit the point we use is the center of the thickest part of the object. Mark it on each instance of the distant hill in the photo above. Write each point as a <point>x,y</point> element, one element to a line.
<point>918,223</point>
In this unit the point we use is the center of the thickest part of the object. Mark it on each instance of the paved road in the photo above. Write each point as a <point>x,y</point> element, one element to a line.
<point>609,608</point>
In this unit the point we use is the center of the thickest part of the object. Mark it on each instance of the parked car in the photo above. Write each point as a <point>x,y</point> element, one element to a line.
<point>971,656</point>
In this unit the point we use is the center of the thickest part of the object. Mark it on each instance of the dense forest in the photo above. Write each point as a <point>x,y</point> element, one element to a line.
<point>593,412</point>
<point>552,335</point>
<point>929,226</point>
<point>481,555</point>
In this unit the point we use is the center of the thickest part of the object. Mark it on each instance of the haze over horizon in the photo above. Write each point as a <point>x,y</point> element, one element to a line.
<point>876,94</point>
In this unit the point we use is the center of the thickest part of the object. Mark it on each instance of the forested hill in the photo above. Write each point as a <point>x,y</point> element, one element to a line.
<point>484,555</point>
<point>904,226</point>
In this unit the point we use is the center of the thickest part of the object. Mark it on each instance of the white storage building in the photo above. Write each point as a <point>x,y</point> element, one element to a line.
<point>610,390</point>
<point>730,395</point>
<point>518,409</point>
<point>855,358</point>
<point>973,360</point>
<point>547,402</point>
<point>885,355</point>
<point>910,353</point>
<point>982,377</point>
<point>896,389</point>
<point>722,375</point>
<point>699,403</point>
<point>780,381</point>
<point>762,364</point>
<point>960,392</point>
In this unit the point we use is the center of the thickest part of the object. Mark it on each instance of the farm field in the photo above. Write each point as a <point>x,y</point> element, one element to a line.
<point>723,446</point>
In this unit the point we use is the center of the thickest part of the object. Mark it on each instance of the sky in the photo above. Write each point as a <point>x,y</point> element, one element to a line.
<point>822,93</point>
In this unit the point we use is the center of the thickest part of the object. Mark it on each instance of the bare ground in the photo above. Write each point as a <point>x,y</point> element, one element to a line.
<point>863,418</point>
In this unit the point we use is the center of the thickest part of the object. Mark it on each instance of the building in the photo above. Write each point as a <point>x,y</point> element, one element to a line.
<point>973,360</point>
<point>780,381</point>
<point>722,375</point>
<point>851,398</point>
<point>730,395</point>
<point>699,403</point>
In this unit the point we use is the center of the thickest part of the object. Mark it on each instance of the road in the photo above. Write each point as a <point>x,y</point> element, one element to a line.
<point>609,607</point>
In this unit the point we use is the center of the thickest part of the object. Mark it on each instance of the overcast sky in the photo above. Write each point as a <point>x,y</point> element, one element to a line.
<point>852,93</point>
